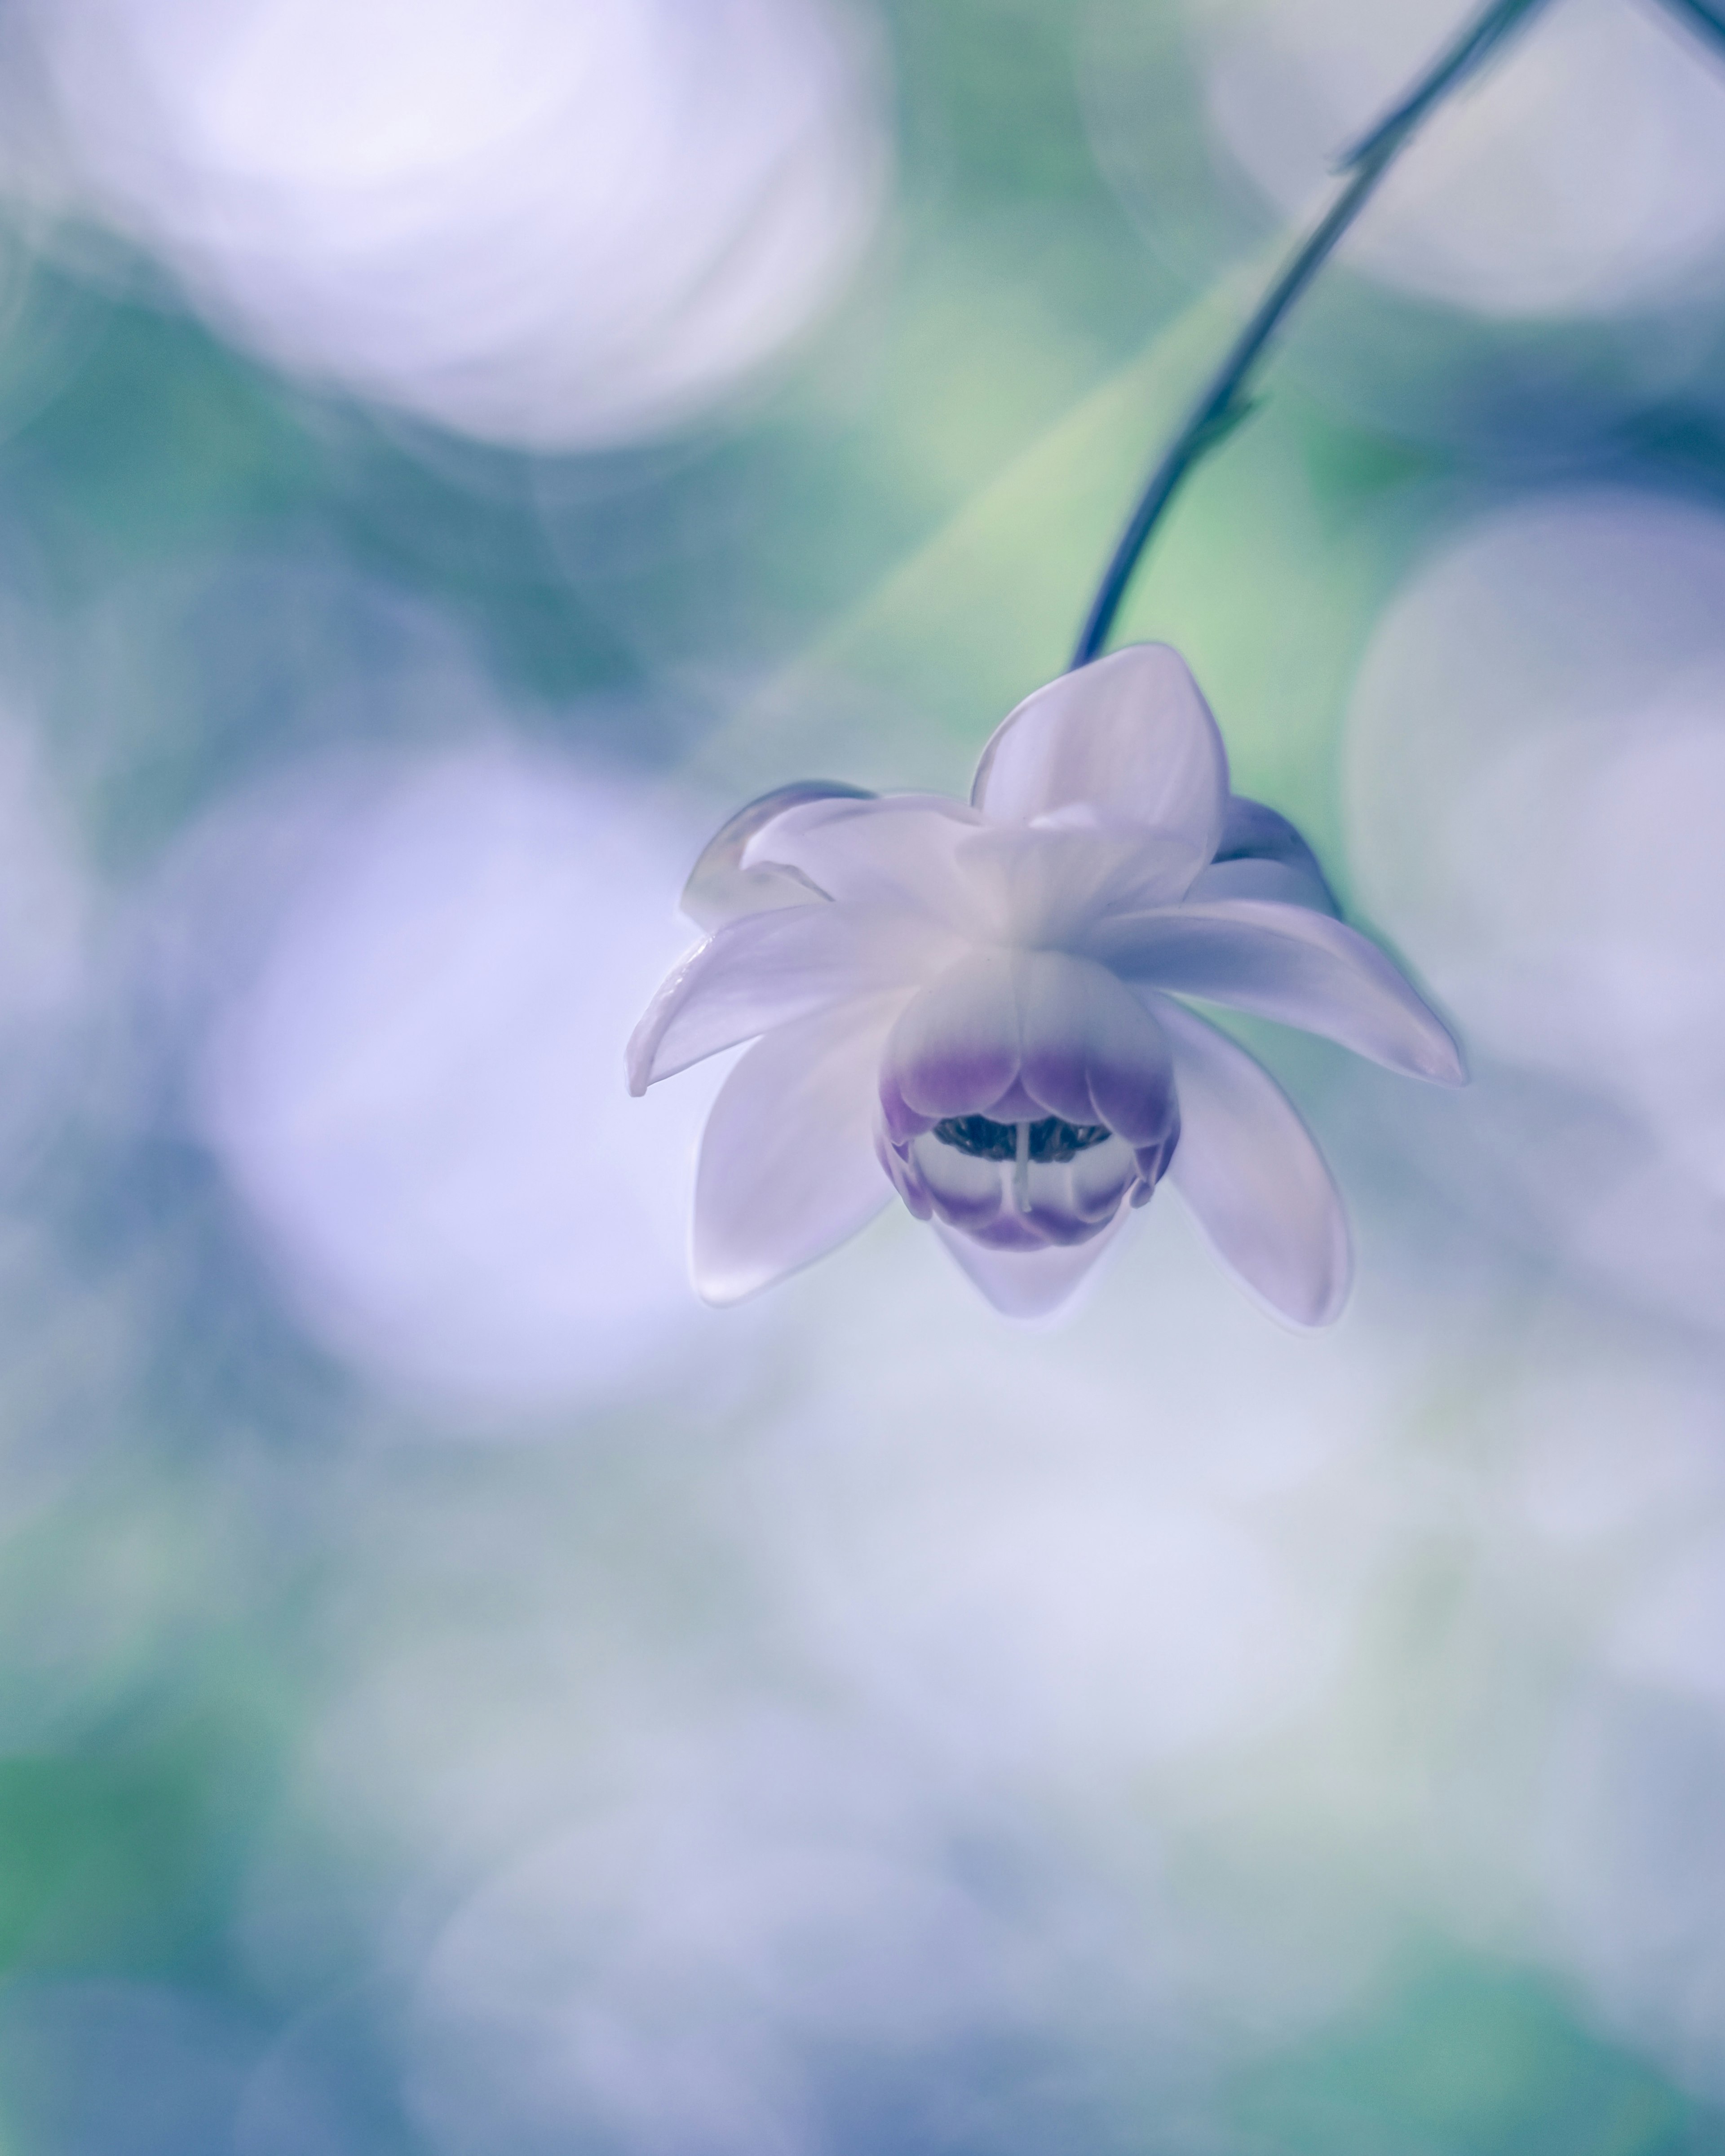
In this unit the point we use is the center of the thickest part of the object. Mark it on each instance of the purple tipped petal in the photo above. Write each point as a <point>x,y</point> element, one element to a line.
<point>720,889</point>
<point>1097,1182</point>
<point>1008,1204</point>
<point>955,1049</point>
<point>1252,1176</point>
<point>966,1192</point>
<point>768,968</point>
<point>1091,1052</point>
<point>1070,1201</point>
<point>1129,739</point>
<point>788,1167</point>
<point>1062,1021</point>
<point>1152,1162</point>
<point>1030,1283</point>
<point>898,1163</point>
<point>1020,1035</point>
<point>903,850</point>
<point>1289,964</point>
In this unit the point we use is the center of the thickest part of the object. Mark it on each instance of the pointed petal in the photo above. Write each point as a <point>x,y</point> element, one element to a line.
<point>788,1165</point>
<point>902,850</point>
<point>720,889</point>
<point>1255,1180</point>
<point>768,968</point>
<point>1030,1283</point>
<point>1128,738</point>
<point>1286,963</point>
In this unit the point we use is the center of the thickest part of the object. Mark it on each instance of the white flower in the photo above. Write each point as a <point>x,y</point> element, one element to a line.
<point>981,1001</point>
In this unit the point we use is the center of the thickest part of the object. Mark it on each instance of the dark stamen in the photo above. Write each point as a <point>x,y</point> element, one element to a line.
<point>1050,1140</point>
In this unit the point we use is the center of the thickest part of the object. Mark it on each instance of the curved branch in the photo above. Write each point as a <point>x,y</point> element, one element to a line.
<point>1226,402</point>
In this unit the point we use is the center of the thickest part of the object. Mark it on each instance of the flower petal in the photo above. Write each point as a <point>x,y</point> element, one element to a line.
<point>1010,1205</point>
<point>967,1192</point>
<point>1021,1034</point>
<point>1252,1176</point>
<point>1286,962</point>
<point>955,1049</point>
<point>1098,1179</point>
<point>1262,855</point>
<point>768,968</point>
<point>1128,738</point>
<point>720,889</point>
<point>901,850</point>
<point>1249,876</point>
<point>1041,886</point>
<point>788,1166</point>
<point>1091,1053</point>
<point>1030,1283</point>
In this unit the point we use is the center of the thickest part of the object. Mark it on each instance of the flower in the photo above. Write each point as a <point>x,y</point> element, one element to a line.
<point>980,1005</point>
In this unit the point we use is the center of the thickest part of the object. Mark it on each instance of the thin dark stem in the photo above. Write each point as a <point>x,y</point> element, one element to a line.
<point>1471,50</point>
<point>1225,403</point>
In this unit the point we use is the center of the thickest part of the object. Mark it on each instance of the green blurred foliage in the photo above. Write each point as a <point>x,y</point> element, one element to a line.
<point>1466,2058</point>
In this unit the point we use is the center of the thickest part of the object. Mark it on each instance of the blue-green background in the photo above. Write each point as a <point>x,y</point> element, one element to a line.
<point>849,1724</point>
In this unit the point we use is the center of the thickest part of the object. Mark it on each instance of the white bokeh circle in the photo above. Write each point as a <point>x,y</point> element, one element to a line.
<point>417,1091</point>
<point>661,1986</point>
<point>547,224</point>
<point>770,1933</point>
<point>1582,179</point>
<point>1535,779</point>
<point>1536,782</point>
<point>1019,1549</point>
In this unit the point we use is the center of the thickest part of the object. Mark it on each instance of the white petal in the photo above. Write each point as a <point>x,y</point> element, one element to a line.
<point>1030,1283</point>
<point>720,889</point>
<point>768,968</point>
<point>788,1167</point>
<point>1128,738</point>
<point>1042,886</point>
<point>1286,962</point>
<point>902,850</point>
<point>1255,1180</point>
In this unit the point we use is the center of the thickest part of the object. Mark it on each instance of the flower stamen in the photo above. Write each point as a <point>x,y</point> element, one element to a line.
<point>1052,1141</point>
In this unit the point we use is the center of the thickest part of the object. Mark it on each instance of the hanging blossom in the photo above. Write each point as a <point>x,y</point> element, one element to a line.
<point>979,1006</point>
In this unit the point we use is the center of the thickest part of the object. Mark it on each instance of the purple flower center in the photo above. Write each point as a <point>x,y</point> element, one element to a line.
<point>1051,1140</point>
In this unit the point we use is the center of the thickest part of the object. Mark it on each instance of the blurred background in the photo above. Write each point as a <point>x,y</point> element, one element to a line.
<point>457,1694</point>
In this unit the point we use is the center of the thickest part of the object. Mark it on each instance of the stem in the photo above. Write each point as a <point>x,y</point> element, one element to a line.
<point>1225,403</point>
